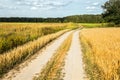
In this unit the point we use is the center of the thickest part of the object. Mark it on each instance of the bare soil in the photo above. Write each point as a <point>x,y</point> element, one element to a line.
<point>74,69</point>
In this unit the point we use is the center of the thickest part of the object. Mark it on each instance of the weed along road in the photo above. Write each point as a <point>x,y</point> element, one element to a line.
<point>73,64</point>
<point>34,67</point>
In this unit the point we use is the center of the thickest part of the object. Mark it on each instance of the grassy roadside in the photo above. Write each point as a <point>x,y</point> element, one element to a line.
<point>98,25</point>
<point>93,25</point>
<point>52,71</point>
<point>19,54</point>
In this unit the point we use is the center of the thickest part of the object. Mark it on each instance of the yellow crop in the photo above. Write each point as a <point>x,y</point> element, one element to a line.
<point>15,34</point>
<point>101,47</point>
<point>9,59</point>
<point>18,41</point>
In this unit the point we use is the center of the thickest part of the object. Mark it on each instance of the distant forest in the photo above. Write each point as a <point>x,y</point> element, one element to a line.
<point>74,18</point>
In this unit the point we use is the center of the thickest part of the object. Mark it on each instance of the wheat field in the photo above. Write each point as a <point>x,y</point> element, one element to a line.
<point>16,34</point>
<point>101,47</point>
<point>19,41</point>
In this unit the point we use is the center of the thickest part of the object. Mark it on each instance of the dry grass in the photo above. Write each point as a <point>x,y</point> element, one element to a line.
<point>101,47</point>
<point>52,70</point>
<point>15,34</point>
<point>17,55</point>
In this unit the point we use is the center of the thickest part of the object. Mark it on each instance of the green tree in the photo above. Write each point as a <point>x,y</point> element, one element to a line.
<point>112,11</point>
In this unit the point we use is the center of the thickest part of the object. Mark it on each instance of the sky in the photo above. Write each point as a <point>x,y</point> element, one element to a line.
<point>49,8</point>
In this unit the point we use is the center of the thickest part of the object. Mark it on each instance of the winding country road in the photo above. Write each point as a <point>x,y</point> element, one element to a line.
<point>73,68</point>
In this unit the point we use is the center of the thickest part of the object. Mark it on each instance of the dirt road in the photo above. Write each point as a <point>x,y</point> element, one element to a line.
<point>73,68</point>
<point>35,66</point>
<point>73,64</point>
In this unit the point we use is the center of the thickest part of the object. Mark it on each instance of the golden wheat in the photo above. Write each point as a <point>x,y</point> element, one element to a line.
<point>15,34</point>
<point>101,47</point>
<point>10,59</point>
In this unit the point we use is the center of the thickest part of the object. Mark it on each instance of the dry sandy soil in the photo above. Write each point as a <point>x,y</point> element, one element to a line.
<point>73,64</point>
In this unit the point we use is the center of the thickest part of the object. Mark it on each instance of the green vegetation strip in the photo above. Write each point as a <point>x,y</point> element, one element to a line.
<point>93,25</point>
<point>52,70</point>
<point>19,54</point>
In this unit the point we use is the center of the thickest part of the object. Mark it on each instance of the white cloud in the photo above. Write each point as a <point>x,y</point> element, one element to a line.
<point>48,4</point>
<point>33,8</point>
<point>88,2</point>
<point>1,6</point>
<point>34,4</point>
<point>95,4</point>
<point>7,7</point>
<point>90,7</point>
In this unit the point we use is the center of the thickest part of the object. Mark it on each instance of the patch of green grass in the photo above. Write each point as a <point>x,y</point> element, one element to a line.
<point>93,25</point>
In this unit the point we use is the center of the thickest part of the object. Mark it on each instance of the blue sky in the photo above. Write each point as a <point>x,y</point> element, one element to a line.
<point>49,8</point>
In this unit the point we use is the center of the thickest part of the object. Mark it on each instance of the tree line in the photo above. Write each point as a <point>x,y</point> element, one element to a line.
<point>111,14</point>
<point>74,18</point>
